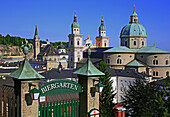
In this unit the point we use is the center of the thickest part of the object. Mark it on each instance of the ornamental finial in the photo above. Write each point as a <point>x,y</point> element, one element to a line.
<point>25,47</point>
<point>88,51</point>
<point>74,12</point>
<point>88,36</point>
<point>134,7</point>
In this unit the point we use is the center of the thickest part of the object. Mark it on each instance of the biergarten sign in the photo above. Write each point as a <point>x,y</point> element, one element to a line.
<point>60,87</point>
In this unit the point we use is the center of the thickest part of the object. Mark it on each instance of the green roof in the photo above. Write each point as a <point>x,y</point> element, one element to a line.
<point>135,63</point>
<point>88,68</point>
<point>75,23</point>
<point>119,49</point>
<point>25,72</point>
<point>102,27</point>
<point>146,49</point>
<point>151,49</point>
<point>133,29</point>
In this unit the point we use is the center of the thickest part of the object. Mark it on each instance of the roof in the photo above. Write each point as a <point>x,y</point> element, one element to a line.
<point>61,46</point>
<point>126,73</point>
<point>49,50</point>
<point>135,63</point>
<point>25,71</point>
<point>56,74</point>
<point>133,29</point>
<point>88,68</point>
<point>146,49</point>
<point>102,27</point>
<point>75,24</point>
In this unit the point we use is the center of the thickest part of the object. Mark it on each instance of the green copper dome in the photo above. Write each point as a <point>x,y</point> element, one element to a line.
<point>133,30</point>
<point>75,23</point>
<point>102,27</point>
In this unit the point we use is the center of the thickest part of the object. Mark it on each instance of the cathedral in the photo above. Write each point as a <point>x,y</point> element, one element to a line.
<point>133,53</point>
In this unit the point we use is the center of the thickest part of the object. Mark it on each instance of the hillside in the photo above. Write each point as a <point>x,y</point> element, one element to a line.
<point>11,45</point>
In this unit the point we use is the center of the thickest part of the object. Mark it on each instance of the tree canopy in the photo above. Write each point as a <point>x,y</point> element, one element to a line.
<point>144,99</point>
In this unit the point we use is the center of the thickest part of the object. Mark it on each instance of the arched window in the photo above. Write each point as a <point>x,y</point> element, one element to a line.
<point>49,59</point>
<point>105,44</point>
<point>125,43</point>
<point>108,61</point>
<point>119,61</point>
<point>166,62</point>
<point>77,42</point>
<point>77,29</point>
<point>71,42</point>
<point>155,62</point>
<point>143,43</point>
<point>71,59</point>
<point>99,44</point>
<point>134,43</point>
<point>78,59</point>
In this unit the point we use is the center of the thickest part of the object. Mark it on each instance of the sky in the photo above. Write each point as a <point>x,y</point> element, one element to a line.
<point>54,18</point>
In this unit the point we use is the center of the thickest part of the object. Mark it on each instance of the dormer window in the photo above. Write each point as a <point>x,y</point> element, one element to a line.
<point>155,62</point>
<point>119,61</point>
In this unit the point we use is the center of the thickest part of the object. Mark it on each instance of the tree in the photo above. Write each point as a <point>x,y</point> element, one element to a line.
<point>143,99</point>
<point>107,95</point>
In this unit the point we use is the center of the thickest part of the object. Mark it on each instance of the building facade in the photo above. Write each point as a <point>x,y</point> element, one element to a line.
<point>75,49</point>
<point>135,54</point>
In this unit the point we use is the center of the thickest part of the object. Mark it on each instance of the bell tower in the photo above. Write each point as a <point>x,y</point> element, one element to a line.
<point>36,44</point>
<point>75,51</point>
<point>102,40</point>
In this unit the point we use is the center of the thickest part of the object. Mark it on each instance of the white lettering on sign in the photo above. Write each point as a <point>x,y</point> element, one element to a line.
<point>59,85</point>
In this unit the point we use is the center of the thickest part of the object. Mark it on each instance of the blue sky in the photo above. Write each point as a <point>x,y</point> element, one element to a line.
<point>54,18</point>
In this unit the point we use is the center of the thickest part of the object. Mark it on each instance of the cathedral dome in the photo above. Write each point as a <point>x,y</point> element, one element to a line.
<point>133,29</point>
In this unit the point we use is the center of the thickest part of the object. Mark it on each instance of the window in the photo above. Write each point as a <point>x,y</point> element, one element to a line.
<point>119,55</point>
<point>155,56</point>
<point>119,61</point>
<point>50,59</point>
<point>77,42</point>
<point>155,62</point>
<point>141,56</point>
<point>125,43</point>
<point>105,44</point>
<point>142,43</point>
<point>74,29</point>
<point>108,61</point>
<point>71,42</point>
<point>134,43</point>
<point>166,62</point>
<point>155,73</point>
<point>54,59</point>
<point>71,59</point>
<point>78,59</point>
<point>77,29</point>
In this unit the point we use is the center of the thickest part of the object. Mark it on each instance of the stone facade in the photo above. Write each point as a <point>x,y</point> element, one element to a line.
<point>87,102</point>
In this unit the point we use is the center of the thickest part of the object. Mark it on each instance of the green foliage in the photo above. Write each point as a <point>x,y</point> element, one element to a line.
<point>17,41</point>
<point>107,95</point>
<point>144,99</point>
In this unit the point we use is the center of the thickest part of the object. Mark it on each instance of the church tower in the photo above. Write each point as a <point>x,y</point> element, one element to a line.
<point>102,40</point>
<point>36,44</point>
<point>134,34</point>
<point>75,51</point>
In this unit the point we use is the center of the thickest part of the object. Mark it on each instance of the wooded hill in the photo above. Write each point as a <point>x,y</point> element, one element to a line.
<point>17,41</point>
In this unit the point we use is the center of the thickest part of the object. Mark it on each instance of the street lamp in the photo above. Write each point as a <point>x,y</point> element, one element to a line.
<point>35,93</point>
<point>99,86</point>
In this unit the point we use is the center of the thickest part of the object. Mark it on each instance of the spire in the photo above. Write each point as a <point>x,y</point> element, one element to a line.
<point>134,12</point>
<point>36,32</point>
<point>75,17</point>
<point>102,27</point>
